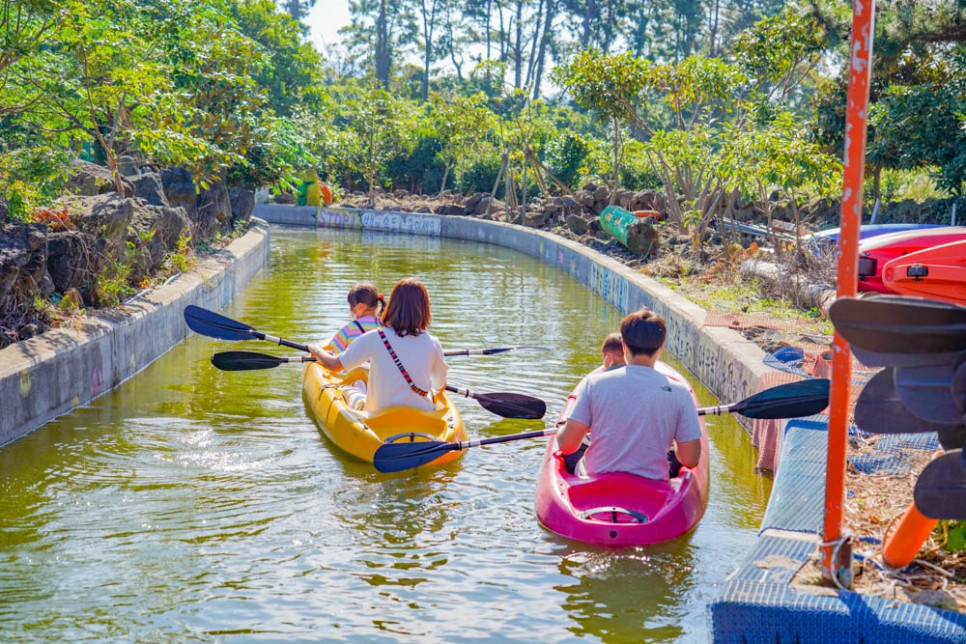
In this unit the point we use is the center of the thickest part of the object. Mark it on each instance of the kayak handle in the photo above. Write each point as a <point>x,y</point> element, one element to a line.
<point>411,436</point>
<point>639,517</point>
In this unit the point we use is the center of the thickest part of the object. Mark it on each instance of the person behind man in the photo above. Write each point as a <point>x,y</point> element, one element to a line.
<point>611,353</point>
<point>635,413</point>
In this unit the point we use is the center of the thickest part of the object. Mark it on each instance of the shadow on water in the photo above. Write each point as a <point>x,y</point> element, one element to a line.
<point>632,595</point>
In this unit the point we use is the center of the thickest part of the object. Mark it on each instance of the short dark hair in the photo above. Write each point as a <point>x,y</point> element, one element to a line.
<point>612,344</point>
<point>643,332</point>
<point>408,311</point>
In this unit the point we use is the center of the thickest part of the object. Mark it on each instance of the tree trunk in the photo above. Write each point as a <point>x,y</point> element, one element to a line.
<point>518,48</point>
<point>617,161</point>
<point>542,52</point>
<point>876,183</point>
<point>713,26</point>
<point>442,185</point>
<point>533,45</point>
<point>429,25</point>
<point>589,19</point>
<point>382,46</point>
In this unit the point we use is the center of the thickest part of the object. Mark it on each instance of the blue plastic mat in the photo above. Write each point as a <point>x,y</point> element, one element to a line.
<point>797,500</point>
<point>757,604</point>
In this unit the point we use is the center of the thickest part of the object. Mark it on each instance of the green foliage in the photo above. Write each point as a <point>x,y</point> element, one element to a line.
<point>605,83</point>
<point>111,284</point>
<point>480,173</point>
<point>565,157</point>
<point>31,177</point>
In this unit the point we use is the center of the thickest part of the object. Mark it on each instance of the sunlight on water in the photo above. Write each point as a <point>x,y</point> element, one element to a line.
<point>194,504</point>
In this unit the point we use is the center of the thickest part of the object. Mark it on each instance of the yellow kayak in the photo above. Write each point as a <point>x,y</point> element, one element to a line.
<point>360,434</point>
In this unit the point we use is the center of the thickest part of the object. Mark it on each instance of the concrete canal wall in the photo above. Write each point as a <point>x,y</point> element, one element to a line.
<point>49,375</point>
<point>729,365</point>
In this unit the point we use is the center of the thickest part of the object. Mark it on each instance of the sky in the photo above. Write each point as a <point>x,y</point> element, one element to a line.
<point>325,19</point>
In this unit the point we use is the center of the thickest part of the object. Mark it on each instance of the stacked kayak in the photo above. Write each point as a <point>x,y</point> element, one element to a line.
<point>875,253</point>
<point>830,237</point>
<point>617,508</point>
<point>938,273</point>
<point>361,434</point>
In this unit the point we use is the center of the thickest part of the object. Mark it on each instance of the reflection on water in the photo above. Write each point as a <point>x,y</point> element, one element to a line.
<point>604,595</point>
<point>195,504</point>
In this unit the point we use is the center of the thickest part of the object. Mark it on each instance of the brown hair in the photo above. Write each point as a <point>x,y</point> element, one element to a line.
<point>368,294</point>
<point>643,331</point>
<point>612,344</point>
<point>408,312</point>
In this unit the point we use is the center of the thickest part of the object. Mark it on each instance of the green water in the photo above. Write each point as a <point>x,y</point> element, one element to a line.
<point>192,504</point>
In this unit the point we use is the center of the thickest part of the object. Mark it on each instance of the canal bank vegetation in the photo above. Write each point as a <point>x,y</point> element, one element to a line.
<point>541,113</point>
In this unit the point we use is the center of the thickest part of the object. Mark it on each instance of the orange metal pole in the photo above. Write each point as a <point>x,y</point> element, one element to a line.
<point>856,116</point>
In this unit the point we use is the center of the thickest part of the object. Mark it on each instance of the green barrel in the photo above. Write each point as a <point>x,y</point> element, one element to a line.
<point>637,234</point>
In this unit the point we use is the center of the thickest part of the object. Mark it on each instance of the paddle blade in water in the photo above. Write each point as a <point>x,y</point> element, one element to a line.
<point>211,324</point>
<point>396,457</point>
<point>899,325</point>
<point>928,393</point>
<point>245,361</point>
<point>794,400</point>
<point>510,405</point>
<point>879,410</point>
<point>940,492</point>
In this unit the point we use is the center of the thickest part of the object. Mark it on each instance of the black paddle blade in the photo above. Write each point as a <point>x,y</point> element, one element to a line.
<point>245,361</point>
<point>928,393</point>
<point>510,405</point>
<point>794,400</point>
<point>940,492</point>
<point>880,410</point>
<point>894,330</point>
<point>396,457</point>
<point>213,325</point>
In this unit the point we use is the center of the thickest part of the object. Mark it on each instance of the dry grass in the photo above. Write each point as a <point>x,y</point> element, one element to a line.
<point>874,503</point>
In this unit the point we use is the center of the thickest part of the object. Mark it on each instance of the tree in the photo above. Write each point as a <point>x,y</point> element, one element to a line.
<point>291,73</point>
<point>380,32</point>
<point>609,85</point>
<point>379,122</point>
<point>459,121</point>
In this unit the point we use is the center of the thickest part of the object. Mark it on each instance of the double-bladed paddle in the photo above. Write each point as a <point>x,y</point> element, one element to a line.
<point>506,404</point>
<point>900,331</point>
<point>218,326</point>
<point>792,400</point>
<point>940,491</point>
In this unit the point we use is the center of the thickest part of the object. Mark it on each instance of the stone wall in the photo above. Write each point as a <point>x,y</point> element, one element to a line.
<point>52,373</point>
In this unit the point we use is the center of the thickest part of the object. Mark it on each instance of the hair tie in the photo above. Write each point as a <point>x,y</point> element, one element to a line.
<point>382,298</point>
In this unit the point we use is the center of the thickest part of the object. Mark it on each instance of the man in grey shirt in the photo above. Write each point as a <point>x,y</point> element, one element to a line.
<point>636,413</point>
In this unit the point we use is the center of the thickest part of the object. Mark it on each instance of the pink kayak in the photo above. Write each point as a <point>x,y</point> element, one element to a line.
<point>620,509</point>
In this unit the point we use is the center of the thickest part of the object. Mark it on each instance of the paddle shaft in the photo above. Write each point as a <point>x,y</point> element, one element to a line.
<point>462,445</point>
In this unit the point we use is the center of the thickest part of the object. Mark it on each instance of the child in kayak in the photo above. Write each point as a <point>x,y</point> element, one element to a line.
<point>635,413</point>
<point>612,357</point>
<point>611,353</point>
<point>365,304</point>
<point>406,362</point>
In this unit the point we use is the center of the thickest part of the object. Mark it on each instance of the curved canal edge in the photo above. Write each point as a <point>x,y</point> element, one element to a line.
<point>729,365</point>
<point>51,374</point>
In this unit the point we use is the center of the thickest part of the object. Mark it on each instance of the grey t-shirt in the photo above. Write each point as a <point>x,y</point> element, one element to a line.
<point>634,414</point>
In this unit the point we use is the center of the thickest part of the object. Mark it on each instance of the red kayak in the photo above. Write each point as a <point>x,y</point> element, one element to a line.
<point>620,509</point>
<point>876,252</point>
<point>938,273</point>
